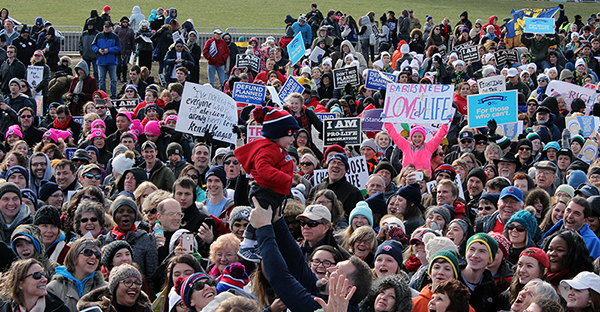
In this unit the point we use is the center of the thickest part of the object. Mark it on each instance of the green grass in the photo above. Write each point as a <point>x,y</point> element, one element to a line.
<point>270,13</point>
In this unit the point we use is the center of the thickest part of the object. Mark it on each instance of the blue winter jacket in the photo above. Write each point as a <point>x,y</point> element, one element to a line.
<point>591,240</point>
<point>109,41</point>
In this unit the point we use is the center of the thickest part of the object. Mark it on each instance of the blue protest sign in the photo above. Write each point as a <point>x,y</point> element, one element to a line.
<point>70,153</point>
<point>539,25</point>
<point>249,93</point>
<point>78,119</point>
<point>372,120</point>
<point>325,116</point>
<point>500,106</point>
<point>291,85</point>
<point>377,80</point>
<point>296,48</point>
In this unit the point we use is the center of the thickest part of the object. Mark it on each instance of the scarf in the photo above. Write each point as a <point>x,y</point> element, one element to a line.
<point>79,85</point>
<point>62,126</point>
<point>120,236</point>
<point>413,264</point>
<point>302,120</point>
<point>40,306</point>
<point>555,278</point>
<point>541,91</point>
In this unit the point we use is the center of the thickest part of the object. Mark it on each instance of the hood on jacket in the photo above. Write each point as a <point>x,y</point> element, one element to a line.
<point>190,43</point>
<point>172,47</point>
<point>405,13</point>
<point>83,65</point>
<point>465,14</point>
<point>138,173</point>
<point>491,19</point>
<point>47,175</point>
<point>552,104</point>
<point>416,31</point>
<point>402,292</point>
<point>188,25</point>
<point>68,59</point>
<point>365,21</point>
<point>349,44</point>
<point>136,10</point>
<point>79,285</point>
<point>33,232</point>
<point>24,212</point>
<point>173,12</point>
<point>289,20</point>
<point>97,298</point>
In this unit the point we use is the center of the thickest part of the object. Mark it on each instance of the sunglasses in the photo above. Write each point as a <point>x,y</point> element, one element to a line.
<point>100,107</point>
<point>199,285</point>
<point>193,176</point>
<point>85,220</point>
<point>26,116</point>
<point>152,211</point>
<point>467,141</point>
<point>228,162</point>
<point>519,228</point>
<point>310,223</point>
<point>485,208</point>
<point>524,148</point>
<point>91,252</point>
<point>532,104</point>
<point>306,164</point>
<point>94,199</point>
<point>481,142</point>
<point>37,275</point>
<point>129,91</point>
<point>93,176</point>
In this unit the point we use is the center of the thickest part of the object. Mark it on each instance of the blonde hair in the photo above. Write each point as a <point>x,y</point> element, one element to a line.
<point>224,241</point>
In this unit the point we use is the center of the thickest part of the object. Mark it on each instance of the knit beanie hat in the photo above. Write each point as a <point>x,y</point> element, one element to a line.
<point>448,255</point>
<point>124,201</point>
<point>239,213</point>
<point>234,276</point>
<point>419,129</point>
<point>47,215</point>
<point>479,174</point>
<point>136,128</point>
<point>537,254</point>
<point>174,148</point>
<point>566,188</point>
<point>94,149</point>
<point>14,130</point>
<point>152,128</point>
<point>334,148</point>
<point>434,243</point>
<point>278,123</point>
<point>219,172</point>
<point>384,164</point>
<point>576,178</point>
<point>17,169</point>
<point>362,208</point>
<point>488,241</point>
<point>503,243</point>
<point>390,247</point>
<point>177,87</point>
<point>47,189</point>
<point>341,157</point>
<point>442,211</point>
<point>9,187</point>
<point>533,136</point>
<point>120,273</point>
<point>370,143</point>
<point>27,193</point>
<point>411,192</point>
<point>463,225</point>
<point>492,197</point>
<point>377,203</point>
<point>96,133</point>
<point>447,168</point>
<point>526,219</point>
<point>52,134</point>
<point>186,288</point>
<point>578,138</point>
<point>98,122</point>
<point>110,250</point>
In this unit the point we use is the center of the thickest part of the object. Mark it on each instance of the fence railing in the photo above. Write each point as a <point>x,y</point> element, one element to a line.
<point>70,37</point>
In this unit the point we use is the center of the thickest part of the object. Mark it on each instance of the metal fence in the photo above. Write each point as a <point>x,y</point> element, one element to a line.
<point>70,37</point>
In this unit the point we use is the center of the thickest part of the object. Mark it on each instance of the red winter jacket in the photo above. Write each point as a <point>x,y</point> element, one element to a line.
<point>222,52</point>
<point>497,31</point>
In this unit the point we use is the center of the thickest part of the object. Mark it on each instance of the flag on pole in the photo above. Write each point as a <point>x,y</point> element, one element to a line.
<point>515,26</point>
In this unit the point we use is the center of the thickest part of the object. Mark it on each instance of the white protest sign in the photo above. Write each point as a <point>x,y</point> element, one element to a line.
<point>253,133</point>
<point>570,92</point>
<point>35,74</point>
<point>418,103</point>
<point>357,174</point>
<point>207,109</point>
<point>492,84</point>
<point>316,53</point>
<point>274,96</point>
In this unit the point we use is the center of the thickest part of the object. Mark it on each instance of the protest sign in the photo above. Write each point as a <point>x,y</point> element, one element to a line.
<point>325,116</point>
<point>590,86</point>
<point>377,80</point>
<point>418,103</point>
<point>539,25</point>
<point>253,133</point>
<point>589,151</point>
<point>39,105</point>
<point>78,119</point>
<point>248,61</point>
<point>570,92</point>
<point>316,55</point>
<point>511,130</point>
<point>345,130</point>
<point>588,124</point>
<point>35,74</point>
<point>70,153</point>
<point>296,48</point>
<point>372,120</point>
<point>492,84</point>
<point>500,106</point>
<point>249,93</point>
<point>345,75</point>
<point>432,185</point>
<point>357,174</point>
<point>207,109</point>
<point>503,56</point>
<point>274,96</point>
<point>129,105</point>
<point>291,85</point>
<point>469,54</point>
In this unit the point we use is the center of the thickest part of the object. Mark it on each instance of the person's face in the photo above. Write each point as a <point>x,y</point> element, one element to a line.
<point>129,143</point>
<point>524,298</point>
<point>362,249</point>
<point>506,169</point>
<point>417,138</point>
<point>87,264</point>
<point>557,250</point>
<point>313,234</point>
<point>225,257</point>
<point>443,176</point>
<point>201,157</point>
<point>122,256</point>
<point>130,184</point>
<point>202,297</point>
<point>435,218</point>
<point>152,114</point>
<point>64,177</point>
<point>336,170</point>
<point>307,166</point>
<point>397,206</point>
<point>467,145</point>
<point>385,264</point>
<point>56,199</point>
<point>49,233</point>
<point>485,208</point>
<point>444,195</point>
<point>184,196</point>
<point>544,177</point>
<point>574,218</point>
<point>232,167</point>
<point>558,212</point>
<point>181,76</point>
<point>460,170</point>
<point>92,156</point>
<point>124,218</point>
<point>214,186</point>
<point>375,184</point>
<point>181,270</point>
<point>441,270</point>
<point>128,295</point>
<point>24,248</point>
<point>478,256</point>
<point>358,221</point>
<point>551,154</point>
<point>89,223</point>
<point>418,250</point>
<point>465,90</point>
<point>19,180</point>
<point>507,207</point>
<point>92,178</point>
<point>578,299</point>
<point>524,152</point>
<point>30,287</point>
<point>238,227</point>
<point>301,139</point>
<point>320,262</point>
<point>517,234</point>
<point>521,185</point>
<point>532,107</point>
<point>455,233</point>
<point>385,300</point>
<point>527,269</point>
<point>563,162</point>
<point>171,216</point>
<point>149,96</point>
<point>122,123</point>
<point>150,155</point>
<point>594,223</point>
<point>439,302</point>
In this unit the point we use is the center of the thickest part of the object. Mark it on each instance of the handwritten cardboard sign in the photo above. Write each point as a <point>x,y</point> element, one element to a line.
<point>492,84</point>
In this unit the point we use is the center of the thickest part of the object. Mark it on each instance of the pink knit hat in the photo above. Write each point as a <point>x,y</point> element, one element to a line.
<point>64,134</point>
<point>171,117</point>
<point>418,129</point>
<point>97,134</point>
<point>152,128</point>
<point>136,127</point>
<point>98,122</point>
<point>52,134</point>
<point>14,130</point>
<point>134,134</point>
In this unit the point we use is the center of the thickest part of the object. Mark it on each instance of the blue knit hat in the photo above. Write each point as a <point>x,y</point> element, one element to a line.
<point>278,123</point>
<point>362,208</point>
<point>186,289</point>
<point>576,178</point>
<point>93,148</point>
<point>341,157</point>
<point>31,195</point>
<point>219,172</point>
<point>17,169</point>
<point>391,247</point>
<point>526,219</point>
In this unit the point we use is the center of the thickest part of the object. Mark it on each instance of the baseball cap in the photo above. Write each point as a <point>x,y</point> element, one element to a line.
<point>583,280</point>
<point>512,191</point>
<point>316,213</point>
<point>466,135</point>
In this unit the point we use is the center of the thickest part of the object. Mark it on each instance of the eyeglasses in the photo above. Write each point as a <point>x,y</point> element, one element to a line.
<point>100,107</point>
<point>193,176</point>
<point>93,176</point>
<point>39,164</point>
<point>306,164</point>
<point>324,263</point>
<point>228,162</point>
<point>519,228</point>
<point>91,252</point>
<point>152,211</point>
<point>174,215</point>
<point>26,116</point>
<point>323,202</point>
<point>310,223</point>
<point>131,283</point>
<point>94,199</point>
<point>545,171</point>
<point>85,220</point>
<point>199,285</point>
<point>37,275</point>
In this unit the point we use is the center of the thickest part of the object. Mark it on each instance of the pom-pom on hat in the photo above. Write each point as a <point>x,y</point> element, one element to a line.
<point>234,276</point>
<point>278,123</point>
<point>363,209</point>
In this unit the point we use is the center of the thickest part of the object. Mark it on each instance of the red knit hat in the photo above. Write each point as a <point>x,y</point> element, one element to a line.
<point>278,123</point>
<point>503,243</point>
<point>234,276</point>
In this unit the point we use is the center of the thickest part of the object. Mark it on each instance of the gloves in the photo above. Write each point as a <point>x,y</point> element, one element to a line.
<point>208,138</point>
<point>492,125</point>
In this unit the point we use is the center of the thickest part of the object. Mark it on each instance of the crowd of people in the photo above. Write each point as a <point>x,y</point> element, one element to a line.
<point>124,213</point>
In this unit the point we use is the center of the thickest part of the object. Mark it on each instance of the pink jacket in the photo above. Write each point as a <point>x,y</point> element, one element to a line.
<point>421,158</point>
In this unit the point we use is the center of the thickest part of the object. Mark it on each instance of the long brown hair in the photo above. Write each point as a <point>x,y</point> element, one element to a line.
<point>9,283</point>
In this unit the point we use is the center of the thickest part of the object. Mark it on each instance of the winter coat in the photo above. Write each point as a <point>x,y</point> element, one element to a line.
<point>491,19</point>
<point>161,176</point>
<point>8,118</point>
<point>89,87</point>
<point>357,56</point>
<point>19,102</point>
<point>25,49</point>
<point>305,30</point>
<point>539,48</point>
<point>142,45</point>
<point>591,240</point>
<point>53,46</point>
<point>187,60</point>
<point>164,38</point>
<point>85,45</point>
<point>136,17</point>
<point>109,41</point>
<point>8,71</point>
<point>126,36</point>
<point>552,128</point>
<point>143,245</point>
<point>53,304</point>
<point>222,55</point>
<point>364,24</point>
<point>63,286</point>
<point>22,217</point>
<point>404,26</point>
<point>103,299</point>
<point>485,295</point>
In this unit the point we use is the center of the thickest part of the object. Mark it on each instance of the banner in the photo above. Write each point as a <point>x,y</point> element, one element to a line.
<point>129,105</point>
<point>249,93</point>
<point>500,106</point>
<point>492,84</point>
<point>377,80</point>
<point>248,61</point>
<point>207,109</point>
<point>587,124</point>
<point>357,174</point>
<point>570,92</point>
<point>511,130</point>
<point>469,54</point>
<point>35,74</point>
<point>70,152</point>
<point>345,130</point>
<point>253,133</point>
<point>372,120</point>
<point>291,85</point>
<point>515,26</point>
<point>503,56</point>
<point>78,119</point>
<point>539,25</point>
<point>418,103</point>
<point>589,151</point>
<point>296,48</point>
<point>346,75</point>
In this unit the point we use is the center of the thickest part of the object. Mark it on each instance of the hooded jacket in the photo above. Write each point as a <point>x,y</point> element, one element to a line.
<point>89,87</point>
<point>161,176</point>
<point>222,55</point>
<point>465,21</point>
<point>136,17</point>
<point>109,41</point>
<point>103,299</point>
<point>186,59</point>
<point>365,30</point>
<point>33,184</point>
<point>126,36</point>
<point>172,15</point>
<point>485,294</point>
<point>143,45</point>
<point>496,27</point>
<point>357,56</point>
<point>66,286</point>
<point>33,233</point>
<point>85,42</point>
<point>16,69</point>
<point>590,238</point>
<point>402,292</point>
<point>404,26</point>
<point>145,254</point>
<point>22,217</point>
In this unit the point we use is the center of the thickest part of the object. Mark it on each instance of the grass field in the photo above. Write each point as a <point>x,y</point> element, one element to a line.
<point>270,13</point>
